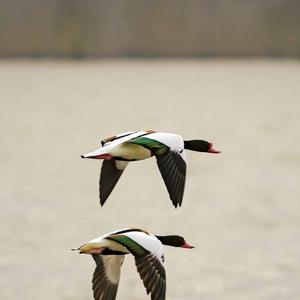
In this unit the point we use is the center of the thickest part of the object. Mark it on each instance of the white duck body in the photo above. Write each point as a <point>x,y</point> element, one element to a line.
<point>120,149</point>
<point>126,146</point>
<point>146,240</point>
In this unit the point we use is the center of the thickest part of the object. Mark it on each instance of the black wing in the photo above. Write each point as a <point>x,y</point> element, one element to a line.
<point>111,171</point>
<point>153,275</point>
<point>106,276</point>
<point>148,265</point>
<point>173,170</point>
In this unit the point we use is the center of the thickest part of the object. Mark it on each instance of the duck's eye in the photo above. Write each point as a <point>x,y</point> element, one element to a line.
<point>180,150</point>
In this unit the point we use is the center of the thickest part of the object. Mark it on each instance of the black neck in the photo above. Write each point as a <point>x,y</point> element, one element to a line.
<point>197,145</point>
<point>171,240</point>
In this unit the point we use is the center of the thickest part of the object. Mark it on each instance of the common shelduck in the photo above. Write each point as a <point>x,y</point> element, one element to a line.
<point>108,252</point>
<point>168,148</point>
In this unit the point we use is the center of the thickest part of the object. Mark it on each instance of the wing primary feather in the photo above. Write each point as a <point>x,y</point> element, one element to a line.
<point>106,276</point>
<point>153,275</point>
<point>109,176</point>
<point>173,170</point>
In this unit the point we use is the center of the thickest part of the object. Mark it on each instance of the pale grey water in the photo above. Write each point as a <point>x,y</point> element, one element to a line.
<point>241,208</point>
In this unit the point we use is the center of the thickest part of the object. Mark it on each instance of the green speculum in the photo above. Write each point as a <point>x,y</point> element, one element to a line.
<point>154,146</point>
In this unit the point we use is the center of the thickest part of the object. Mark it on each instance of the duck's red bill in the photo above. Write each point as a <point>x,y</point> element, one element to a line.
<point>212,150</point>
<point>186,245</point>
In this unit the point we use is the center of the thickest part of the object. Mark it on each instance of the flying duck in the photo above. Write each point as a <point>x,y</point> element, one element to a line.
<point>108,252</point>
<point>168,148</point>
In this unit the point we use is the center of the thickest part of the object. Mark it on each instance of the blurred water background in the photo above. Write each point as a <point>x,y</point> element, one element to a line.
<point>225,71</point>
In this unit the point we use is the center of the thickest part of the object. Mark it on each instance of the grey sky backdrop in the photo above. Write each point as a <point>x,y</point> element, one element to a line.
<point>137,28</point>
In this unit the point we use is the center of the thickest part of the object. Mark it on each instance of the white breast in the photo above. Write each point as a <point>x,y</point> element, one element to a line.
<point>148,242</point>
<point>173,141</point>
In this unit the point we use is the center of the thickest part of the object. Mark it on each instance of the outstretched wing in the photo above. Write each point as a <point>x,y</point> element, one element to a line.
<point>173,170</point>
<point>111,172</point>
<point>149,266</point>
<point>153,275</point>
<point>106,276</point>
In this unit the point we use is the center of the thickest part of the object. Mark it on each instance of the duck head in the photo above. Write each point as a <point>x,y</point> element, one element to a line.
<point>200,146</point>
<point>174,241</point>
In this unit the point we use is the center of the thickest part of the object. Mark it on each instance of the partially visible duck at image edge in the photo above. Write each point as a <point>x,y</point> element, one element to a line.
<point>108,252</point>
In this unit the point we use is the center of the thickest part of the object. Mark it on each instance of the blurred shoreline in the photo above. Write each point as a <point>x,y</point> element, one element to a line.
<point>161,28</point>
<point>150,59</point>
